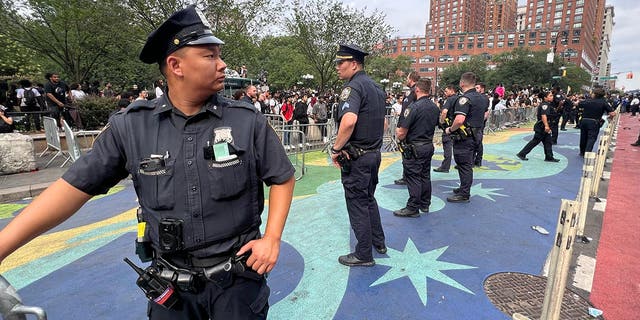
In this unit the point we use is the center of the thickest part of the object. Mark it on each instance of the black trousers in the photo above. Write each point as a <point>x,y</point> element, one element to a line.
<point>35,118</point>
<point>589,129</point>
<point>447,146</point>
<point>359,189</point>
<point>479,148</point>
<point>463,153</point>
<point>539,136</point>
<point>246,298</point>
<point>554,124</point>
<point>418,177</point>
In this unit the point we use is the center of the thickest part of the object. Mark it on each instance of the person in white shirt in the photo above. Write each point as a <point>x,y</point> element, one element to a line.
<point>159,84</point>
<point>34,104</point>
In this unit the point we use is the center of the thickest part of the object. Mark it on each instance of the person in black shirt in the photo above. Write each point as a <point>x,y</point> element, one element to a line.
<point>416,135</point>
<point>592,111</point>
<point>199,163</point>
<point>542,130</point>
<point>412,78</point>
<point>467,117</point>
<point>356,151</point>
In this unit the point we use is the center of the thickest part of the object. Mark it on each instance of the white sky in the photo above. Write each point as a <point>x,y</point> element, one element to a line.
<point>409,17</point>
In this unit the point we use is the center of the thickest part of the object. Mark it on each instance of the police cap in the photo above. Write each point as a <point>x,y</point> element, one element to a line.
<point>350,52</point>
<point>186,27</point>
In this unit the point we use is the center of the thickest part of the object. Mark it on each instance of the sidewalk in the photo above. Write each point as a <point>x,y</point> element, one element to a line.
<point>29,184</point>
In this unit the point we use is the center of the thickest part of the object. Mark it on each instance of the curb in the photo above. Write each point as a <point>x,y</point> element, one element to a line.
<point>19,193</point>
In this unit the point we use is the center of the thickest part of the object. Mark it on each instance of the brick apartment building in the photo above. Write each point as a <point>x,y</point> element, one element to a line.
<point>459,29</point>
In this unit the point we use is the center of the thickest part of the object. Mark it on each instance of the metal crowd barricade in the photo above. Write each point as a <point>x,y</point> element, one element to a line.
<point>316,135</point>
<point>53,140</point>
<point>73,146</point>
<point>276,120</point>
<point>296,148</point>
<point>509,118</point>
<point>560,260</point>
<point>389,141</point>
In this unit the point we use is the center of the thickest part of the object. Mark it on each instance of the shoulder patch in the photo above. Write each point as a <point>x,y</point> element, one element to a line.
<point>406,112</point>
<point>344,95</point>
<point>463,100</point>
<point>544,107</point>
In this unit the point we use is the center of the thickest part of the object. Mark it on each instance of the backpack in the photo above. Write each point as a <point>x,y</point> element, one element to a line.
<point>30,98</point>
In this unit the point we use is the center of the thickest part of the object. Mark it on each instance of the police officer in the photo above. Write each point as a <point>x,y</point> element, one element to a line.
<point>198,162</point>
<point>542,129</point>
<point>416,136</point>
<point>357,152</point>
<point>467,117</point>
<point>555,112</point>
<point>447,145</point>
<point>479,151</point>
<point>412,77</point>
<point>592,111</point>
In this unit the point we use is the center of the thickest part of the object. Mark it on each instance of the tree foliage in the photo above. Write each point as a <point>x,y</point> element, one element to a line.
<point>320,25</point>
<point>281,57</point>
<point>451,75</point>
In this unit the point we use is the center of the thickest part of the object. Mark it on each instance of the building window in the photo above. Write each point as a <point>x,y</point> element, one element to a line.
<point>577,25</point>
<point>542,42</point>
<point>432,41</point>
<point>577,18</point>
<point>559,6</point>
<point>414,41</point>
<point>575,40</point>
<point>404,49</point>
<point>576,32</point>
<point>490,37</point>
<point>501,37</point>
<point>423,48</point>
<point>578,11</point>
<point>469,45</point>
<point>432,47</point>
<point>451,46</point>
<point>558,14</point>
<point>414,49</point>
<point>426,59</point>
<point>441,47</point>
<point>460,46</point>
<point>490,45</point>
<point>532,35</point>
<point>441,40</point>
<point>405,42</point>
<point>500,44</point>
<point>557,22</point>
<point>480,45</point>
<point>423,41</point>
<point>511,44</point>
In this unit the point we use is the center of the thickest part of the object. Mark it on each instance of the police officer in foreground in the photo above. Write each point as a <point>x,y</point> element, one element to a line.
<point>356,152</point>
<point>592,111</point>
<point>416,140</point>
<point>412,78</point>
<point>198,162</point>
<point>467,117</point>
<point>542,129</point>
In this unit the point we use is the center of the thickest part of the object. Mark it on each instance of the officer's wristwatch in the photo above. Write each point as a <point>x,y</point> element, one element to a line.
<point>334,151</point>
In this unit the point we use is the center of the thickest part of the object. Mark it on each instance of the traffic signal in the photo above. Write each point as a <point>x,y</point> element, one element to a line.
<point>630,75</point>
<point>564,72</point>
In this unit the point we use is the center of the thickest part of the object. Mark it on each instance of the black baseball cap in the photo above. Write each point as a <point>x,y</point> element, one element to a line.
<point>186,27</point>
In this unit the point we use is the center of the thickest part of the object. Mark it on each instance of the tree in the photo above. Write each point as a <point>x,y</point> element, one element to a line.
<point>380,67</point>
<point>17,60</point>
<point>282,59</point>
<point>451,75</point>
<point>320,25</point>
<point>75,35</point>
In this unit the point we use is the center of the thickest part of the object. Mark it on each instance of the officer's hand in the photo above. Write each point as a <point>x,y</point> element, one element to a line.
<point>547,129</point>
<point>264,254</point>
<point>334,159</point>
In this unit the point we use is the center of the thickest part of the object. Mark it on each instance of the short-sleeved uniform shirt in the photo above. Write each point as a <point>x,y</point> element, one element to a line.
<point>594,108</point>
<point>362,96</point>
<point>472,105</point>
<point>421,118</point>
<point>409,99</point>
<point>218,199</point>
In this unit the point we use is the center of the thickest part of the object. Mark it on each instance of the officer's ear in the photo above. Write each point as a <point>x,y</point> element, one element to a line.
<point>174,65</point>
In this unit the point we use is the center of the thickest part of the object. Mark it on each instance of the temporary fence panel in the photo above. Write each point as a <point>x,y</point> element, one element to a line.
<point>53,140</point>
<point>73,146</point>
<point>560,260</point>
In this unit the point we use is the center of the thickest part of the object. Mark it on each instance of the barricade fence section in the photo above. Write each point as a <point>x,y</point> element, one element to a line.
<point>503,119</point>
<point>571,223</point>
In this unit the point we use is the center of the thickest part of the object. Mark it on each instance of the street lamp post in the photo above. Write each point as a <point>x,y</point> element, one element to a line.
<point>307,78</point>
<point>384,83</point>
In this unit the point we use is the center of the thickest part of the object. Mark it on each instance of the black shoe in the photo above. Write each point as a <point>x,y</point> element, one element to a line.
<point>477,165</point>
<point>636,144</point>
<point>400,182</point>
<point>407,213</point>
<point>521,157</point>
<point>456,190</point>
<point>563,129</point>
<point>351,260</point>
<point>458,198</point>
<point>441,170</point>
<point>424,210</point>
<point>381,249</point>
<point>455,167</point>
<point>552,160</point>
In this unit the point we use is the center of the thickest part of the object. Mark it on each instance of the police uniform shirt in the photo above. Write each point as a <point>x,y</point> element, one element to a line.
<point>421,118</point>
<point>364,98</point>
<point>218,200</point>
<point>449,103</point>
<point>544,109</point>
<point>470,104</point>
<point>594,108</point>
<point>409,99</point>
